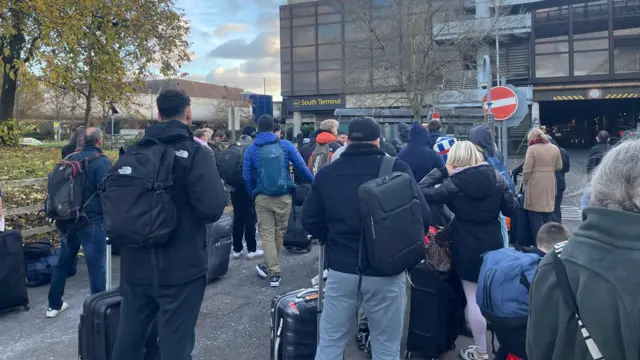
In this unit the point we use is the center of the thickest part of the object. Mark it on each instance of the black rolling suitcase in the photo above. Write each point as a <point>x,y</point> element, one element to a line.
<point>13,271</point>
<point>296,238</point>
<point>294,321</point>
<point>219,242</point>
<point>99,324</point>
<point>435,312</point>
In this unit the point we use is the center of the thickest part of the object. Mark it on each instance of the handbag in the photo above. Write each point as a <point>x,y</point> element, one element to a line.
<point>438,249</point>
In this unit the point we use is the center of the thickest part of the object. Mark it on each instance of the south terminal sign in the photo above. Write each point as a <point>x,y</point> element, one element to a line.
<point>315,103</point>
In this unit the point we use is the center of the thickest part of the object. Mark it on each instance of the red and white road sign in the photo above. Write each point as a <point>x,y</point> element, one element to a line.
<point>435,116</point>
<point>504,102</point>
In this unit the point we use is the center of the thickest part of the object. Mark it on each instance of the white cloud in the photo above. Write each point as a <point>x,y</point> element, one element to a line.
<point>227,29</point>
<point>266,44</point>
<point>248,78</point>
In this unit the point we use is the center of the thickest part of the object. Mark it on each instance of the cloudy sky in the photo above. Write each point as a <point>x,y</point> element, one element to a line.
<point>235,43</point>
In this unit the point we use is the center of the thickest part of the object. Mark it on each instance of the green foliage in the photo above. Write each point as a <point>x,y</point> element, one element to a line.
<point>11,132</point>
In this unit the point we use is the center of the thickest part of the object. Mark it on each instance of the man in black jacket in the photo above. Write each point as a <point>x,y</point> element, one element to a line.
<point>335,188</point>
<point>596,153</point>
<point>168,282</point>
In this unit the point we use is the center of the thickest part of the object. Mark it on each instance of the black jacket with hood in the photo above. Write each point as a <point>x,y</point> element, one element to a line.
<point>419,153</point>
<point>475,195</point>
<point>200,198</point>
<point>330,211</point>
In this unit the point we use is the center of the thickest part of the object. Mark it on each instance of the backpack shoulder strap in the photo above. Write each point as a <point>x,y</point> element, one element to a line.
<point>164,177</point>
<point>569,299</point>
<point>386,167</point>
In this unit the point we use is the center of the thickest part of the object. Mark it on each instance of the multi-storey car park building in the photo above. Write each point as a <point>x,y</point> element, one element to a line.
<point>578,61</point>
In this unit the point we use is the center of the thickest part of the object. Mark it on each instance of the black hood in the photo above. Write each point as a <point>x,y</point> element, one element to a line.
<point>481,136</point>
<point>476,182</point>
<point>169,132</point>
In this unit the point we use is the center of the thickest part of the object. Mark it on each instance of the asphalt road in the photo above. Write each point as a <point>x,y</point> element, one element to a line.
<point>234,318</point>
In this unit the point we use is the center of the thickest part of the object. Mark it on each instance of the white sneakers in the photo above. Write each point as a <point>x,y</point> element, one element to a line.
<point>51,313</point>
<point>471,353</point>
<point>250,256</point>
<point>255,254</point>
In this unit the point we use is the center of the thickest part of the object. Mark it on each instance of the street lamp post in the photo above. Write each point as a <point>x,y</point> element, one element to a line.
<point>485,83</point>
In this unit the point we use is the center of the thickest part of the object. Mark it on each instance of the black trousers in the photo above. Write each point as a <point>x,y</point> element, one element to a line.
<point>536,220</point>
<point>244,220</point>
<point>557,211</point>
<point>176,309</point>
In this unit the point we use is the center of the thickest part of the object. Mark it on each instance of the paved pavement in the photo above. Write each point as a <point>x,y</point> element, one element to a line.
<point>234,319</point>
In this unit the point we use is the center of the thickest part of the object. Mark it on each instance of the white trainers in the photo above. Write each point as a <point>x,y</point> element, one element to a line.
<point>51,313</point>
<point>314,281</point>
<point>236,255</point>
<point>255,254</point>
<point>471,353</point>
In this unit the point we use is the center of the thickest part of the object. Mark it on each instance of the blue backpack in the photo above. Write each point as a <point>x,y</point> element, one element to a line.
<point>497,164</point>
<point>504,282</point>
<point>272,174</point>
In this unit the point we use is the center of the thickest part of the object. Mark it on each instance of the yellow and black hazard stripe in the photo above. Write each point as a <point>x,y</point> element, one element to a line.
<point>622,96</point>
<point>569,97</point>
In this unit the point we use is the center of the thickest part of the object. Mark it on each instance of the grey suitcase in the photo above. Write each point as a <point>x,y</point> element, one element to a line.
<point>219,242</point>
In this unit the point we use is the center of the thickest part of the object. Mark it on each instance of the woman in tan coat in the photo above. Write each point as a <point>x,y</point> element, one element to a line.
<point>540,165</point>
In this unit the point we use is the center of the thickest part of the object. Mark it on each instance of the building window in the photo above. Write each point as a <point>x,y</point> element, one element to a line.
<point>331,33</point>
<point>285,67</point>
<point>329,52</point>
<point>285,82</point>
<point>329,80</point>
<point>285,23</point>
<point>303,11</point>
<point>285,13</point>
<point>330,65</point>
<point>304,81</point>
<point>329,18</point>
<point>285,55</point>
<point>305,20</point>
<point>307,53</point>
<point>626,60</point>
<point>556,65</point>
<point>329,8</point>
<point>356,31</point>
<point>305,35</point>
<point>304,66</point>
<point>597,44</point>
<point>285,37</point>
<point>590,63</point>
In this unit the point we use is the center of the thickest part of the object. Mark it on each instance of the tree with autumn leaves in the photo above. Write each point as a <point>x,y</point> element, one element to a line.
<point>100,50</point>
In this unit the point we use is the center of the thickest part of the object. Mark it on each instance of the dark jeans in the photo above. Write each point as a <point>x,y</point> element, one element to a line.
<point>557,211</point>
<point>93,241</point>
<point>536,220</point>
<point>244,220</point>
<point>176,309</point>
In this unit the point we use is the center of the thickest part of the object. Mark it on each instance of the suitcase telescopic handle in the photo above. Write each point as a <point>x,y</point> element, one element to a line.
<point>320,286</point>
<point>108,265</point>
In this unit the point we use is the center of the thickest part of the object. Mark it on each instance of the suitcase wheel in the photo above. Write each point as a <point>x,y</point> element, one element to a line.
<point>408,354</point>
<point>297,250</point>
<point>26,308</point>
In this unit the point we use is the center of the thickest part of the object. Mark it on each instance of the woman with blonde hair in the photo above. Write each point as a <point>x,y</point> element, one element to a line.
<point>542,161</point>
<point>476,194</point>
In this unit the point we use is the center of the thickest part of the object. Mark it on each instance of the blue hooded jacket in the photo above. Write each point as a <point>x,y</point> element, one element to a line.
<point>252,161</point>
<point>419,153</point>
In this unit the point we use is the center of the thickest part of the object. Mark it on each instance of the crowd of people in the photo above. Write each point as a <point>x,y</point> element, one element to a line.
<point>464,187</point>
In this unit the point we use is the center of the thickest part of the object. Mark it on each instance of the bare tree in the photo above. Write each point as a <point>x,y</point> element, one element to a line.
<point>412,53</point>
<point>57,100</point>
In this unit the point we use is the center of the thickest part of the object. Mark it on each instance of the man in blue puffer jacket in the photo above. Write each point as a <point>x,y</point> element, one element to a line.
<point>266,175</point>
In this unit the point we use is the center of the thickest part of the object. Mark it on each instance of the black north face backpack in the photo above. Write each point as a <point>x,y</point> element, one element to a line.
<point>136,204</point>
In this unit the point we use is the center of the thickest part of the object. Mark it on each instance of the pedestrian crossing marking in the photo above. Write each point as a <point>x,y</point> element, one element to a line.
<point>572,213</point>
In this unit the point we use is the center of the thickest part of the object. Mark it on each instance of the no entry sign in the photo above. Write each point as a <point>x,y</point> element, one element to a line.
<point>504,103</point>
<point>435,116</point>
